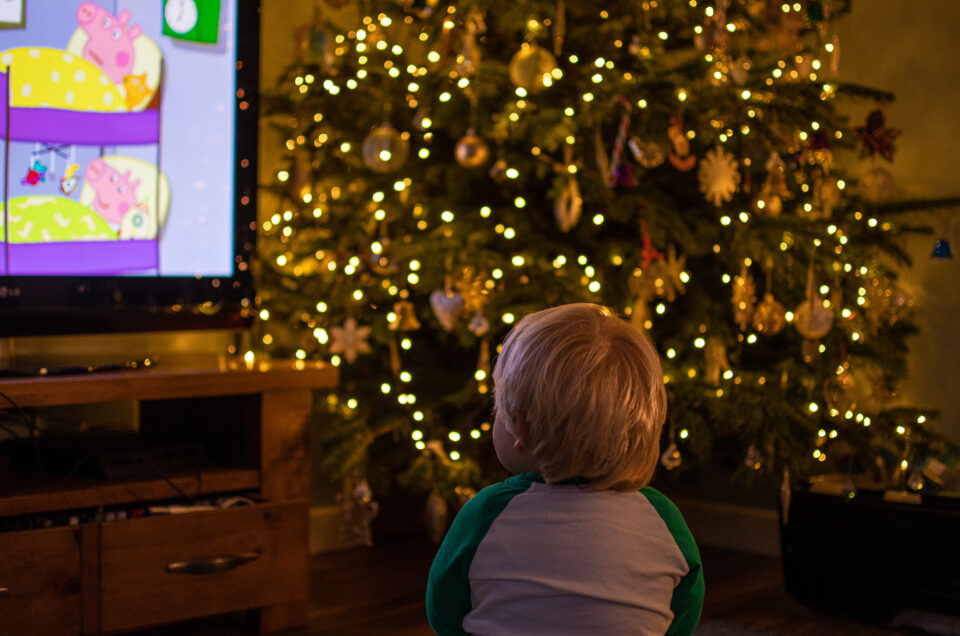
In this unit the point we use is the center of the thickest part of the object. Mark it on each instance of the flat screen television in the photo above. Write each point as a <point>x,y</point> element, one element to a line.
<point>128,143</point>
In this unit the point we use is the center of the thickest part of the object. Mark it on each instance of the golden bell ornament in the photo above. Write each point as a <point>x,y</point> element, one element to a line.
<point>385,149</point>
<point>529,65</point>
<point>471,151</point>
<point>406,317</point>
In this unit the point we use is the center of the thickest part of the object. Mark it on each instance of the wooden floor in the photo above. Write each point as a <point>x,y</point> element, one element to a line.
<point>380,590</point>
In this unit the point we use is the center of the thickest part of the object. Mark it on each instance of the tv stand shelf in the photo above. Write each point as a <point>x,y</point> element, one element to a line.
<point>114,576</point>
<point>26,496</point>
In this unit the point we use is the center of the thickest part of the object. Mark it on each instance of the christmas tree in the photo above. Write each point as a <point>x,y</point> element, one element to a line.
<point>454,166</point>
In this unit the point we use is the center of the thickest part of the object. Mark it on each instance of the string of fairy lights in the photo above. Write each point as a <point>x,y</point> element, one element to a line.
<point>370,45</point>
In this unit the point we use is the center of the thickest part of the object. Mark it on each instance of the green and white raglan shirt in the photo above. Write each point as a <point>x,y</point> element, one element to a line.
<point>526,558</point>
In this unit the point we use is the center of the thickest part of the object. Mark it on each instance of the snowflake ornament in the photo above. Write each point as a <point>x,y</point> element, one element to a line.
<point>350,339</point>
<point>718,176</point>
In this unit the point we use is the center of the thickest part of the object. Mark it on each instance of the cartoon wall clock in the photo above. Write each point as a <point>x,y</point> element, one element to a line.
<point>181,15</point>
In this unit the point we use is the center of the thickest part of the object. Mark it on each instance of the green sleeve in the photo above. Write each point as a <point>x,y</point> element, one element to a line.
<point>687,602</point>
<point>448,586</point>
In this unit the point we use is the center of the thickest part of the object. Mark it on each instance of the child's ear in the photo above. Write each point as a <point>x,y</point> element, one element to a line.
<point>520,432</point>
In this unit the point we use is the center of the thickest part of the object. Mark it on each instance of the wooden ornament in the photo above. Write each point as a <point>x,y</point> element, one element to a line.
<point>568,206</point>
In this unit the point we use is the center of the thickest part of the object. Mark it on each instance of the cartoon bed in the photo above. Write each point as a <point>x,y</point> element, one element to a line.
<point>103,90</point>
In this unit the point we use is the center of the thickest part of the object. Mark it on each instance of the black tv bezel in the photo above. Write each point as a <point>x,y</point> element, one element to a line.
<point>62,305</point>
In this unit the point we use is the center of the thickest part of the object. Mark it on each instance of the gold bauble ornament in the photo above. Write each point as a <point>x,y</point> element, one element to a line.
<point>840,393</point>
<point>385,149</point>
<point>877,185</point>
<point>471,151</point>
<point>529,65</point>
<point>769,316</point>
<point>771,205</point>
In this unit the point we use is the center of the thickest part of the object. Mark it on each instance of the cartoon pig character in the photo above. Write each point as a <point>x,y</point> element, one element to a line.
<point>110,43</point>
<point>115,193</point>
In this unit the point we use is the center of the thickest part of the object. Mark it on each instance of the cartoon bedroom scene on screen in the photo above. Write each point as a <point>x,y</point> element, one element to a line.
<point>82,123</point>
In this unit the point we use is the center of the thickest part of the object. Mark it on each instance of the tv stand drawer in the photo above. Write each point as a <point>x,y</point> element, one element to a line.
<point>164,569</point>
<point>40,582</point>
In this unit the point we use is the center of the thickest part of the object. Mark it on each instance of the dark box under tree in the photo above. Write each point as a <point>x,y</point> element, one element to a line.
<point>872,558</point>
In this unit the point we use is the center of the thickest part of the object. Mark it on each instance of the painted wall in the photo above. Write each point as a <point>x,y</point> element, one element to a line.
<point>908,48</point>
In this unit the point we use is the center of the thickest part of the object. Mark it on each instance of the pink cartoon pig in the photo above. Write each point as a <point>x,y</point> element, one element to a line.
<point>110,43</point>
<point>115,193</point>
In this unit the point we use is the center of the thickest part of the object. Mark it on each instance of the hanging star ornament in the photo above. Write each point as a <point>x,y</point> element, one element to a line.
<point>876,137</point>
<point>350,339</point>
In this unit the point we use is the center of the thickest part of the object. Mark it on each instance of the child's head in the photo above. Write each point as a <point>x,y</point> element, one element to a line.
<point>581,391</point>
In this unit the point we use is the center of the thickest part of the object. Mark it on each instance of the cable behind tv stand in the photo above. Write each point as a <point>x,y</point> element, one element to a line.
<point>106,575</point>
<point>35,367</point>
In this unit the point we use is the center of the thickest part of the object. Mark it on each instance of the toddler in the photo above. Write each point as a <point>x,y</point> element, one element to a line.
<point>575,542</point>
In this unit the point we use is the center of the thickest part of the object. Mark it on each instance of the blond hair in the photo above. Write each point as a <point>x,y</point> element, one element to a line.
<point>589,388</point>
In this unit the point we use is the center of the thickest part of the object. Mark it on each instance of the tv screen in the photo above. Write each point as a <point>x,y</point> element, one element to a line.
<point>128,164</point>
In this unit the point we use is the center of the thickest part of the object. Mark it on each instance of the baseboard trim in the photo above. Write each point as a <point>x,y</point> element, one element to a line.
<point>326,530</point>
<point>742,528</point>
<point>720,525</point>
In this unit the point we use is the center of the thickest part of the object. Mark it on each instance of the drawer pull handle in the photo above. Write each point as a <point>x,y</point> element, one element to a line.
<point>4,592</point>
<point>213,566</point>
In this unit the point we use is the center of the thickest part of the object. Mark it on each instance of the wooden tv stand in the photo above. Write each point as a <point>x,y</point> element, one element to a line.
<point>109,576</point>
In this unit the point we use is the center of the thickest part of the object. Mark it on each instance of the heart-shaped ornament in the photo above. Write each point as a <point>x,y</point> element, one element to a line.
<point>447,307</point>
